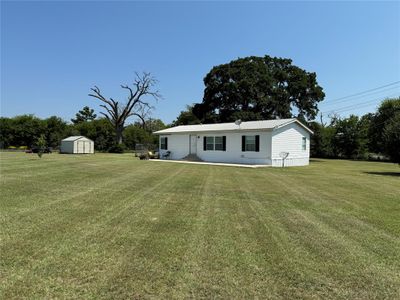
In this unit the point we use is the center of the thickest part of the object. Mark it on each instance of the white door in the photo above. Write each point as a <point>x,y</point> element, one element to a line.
<point>86,148</point>
<point>80,147</point>
<point>193,144</point>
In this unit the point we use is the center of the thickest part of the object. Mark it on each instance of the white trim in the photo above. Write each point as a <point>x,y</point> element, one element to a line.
<point>295,121</point>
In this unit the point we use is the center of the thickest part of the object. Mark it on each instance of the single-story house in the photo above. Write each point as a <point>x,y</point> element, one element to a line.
<point>77,145</point>
<point>267,142</point>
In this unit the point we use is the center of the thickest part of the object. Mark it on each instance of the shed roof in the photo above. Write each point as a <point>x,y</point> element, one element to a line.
<point>250,125</point>
<point>75,137</point>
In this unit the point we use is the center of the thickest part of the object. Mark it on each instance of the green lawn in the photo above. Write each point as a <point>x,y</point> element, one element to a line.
<point>111,226</point>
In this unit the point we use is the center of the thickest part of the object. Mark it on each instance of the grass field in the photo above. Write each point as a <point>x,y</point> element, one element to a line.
<point>111,226</point>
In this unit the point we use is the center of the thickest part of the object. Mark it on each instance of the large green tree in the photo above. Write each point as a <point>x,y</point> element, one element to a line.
<point>186,117</point>
<point>391,138</point>
<point>135,133</point>
<point>25,130</point>
<point>6,132</point>
<point>254,88</point>
<point>152,125</point>
<point>84,115</point>
<point>386,111</point>
<point>322,140</point>
<point>351,138</point>
<point>99,130</point>
<point>55,131</point>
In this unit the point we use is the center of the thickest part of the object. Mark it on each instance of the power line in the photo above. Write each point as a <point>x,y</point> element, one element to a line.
<point>364,92</point>
<point>354,106</point>
<point>357,105</point>
<point>361,96</point>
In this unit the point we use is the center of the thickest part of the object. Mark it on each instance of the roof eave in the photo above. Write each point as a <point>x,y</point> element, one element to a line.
<point>295,121</point>
<point>207,131</point>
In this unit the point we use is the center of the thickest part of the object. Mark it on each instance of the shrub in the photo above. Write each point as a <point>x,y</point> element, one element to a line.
<point>41,145</point>
<point>117,148</point>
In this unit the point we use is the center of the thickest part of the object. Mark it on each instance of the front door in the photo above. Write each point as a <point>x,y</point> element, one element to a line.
<point>193,144</point>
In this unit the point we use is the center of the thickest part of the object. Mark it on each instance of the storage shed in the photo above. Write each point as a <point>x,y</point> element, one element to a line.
<point>77,145</point>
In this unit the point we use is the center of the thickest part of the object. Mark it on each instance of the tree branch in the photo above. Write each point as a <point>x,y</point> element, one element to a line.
<point>135,105</point>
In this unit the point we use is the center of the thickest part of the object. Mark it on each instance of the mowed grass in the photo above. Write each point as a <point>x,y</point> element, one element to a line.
<point>113,227</point>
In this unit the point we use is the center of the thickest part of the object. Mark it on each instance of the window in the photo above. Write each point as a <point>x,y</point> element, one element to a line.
<point>214,143</point>
<point>304,143</point>
<point>251,143</point>
<point>164,143</point>
<point>219,145</point>
<point>209,143</point>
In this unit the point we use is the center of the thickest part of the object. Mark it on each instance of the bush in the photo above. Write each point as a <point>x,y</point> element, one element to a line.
<point>117,148</point>
<point>41,145</point>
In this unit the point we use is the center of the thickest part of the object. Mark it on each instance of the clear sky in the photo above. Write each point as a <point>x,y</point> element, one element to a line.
<point>52,53</point>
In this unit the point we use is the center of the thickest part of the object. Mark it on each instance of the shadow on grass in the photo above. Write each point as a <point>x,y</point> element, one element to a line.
<point>396,174</point>
<point>316,160</point>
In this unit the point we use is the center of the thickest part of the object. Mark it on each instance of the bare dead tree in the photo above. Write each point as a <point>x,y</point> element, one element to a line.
<point>117,114</point>
<point>143,113</point>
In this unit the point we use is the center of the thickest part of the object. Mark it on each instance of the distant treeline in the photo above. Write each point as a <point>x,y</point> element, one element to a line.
<point>372,136</point>
<point>24,131</point>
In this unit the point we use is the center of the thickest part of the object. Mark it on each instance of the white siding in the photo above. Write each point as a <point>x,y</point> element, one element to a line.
<point>233,153</point>
<point>79,147</point>
<point>75,149</point>
<point>67,147</point>
<point>178,145</point>
<point>289,139</point>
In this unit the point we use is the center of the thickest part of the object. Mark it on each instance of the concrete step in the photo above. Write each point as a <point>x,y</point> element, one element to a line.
<point>192,157</point>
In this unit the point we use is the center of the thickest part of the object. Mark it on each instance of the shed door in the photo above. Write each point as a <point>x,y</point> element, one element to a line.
<point>86,147</point>
<point>193,144</point>
<point>80,147</point>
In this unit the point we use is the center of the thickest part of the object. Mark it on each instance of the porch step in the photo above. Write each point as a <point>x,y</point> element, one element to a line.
<point>192,157</point>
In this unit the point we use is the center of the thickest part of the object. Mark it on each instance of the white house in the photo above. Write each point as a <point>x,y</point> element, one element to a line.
<point>77,145</point>
<point>255,142</point>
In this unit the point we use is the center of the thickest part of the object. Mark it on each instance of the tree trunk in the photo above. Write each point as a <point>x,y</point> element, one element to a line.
<point>118,134</point>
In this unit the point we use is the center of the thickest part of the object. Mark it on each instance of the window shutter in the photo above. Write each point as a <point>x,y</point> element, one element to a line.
<point>257,143</point>
<point>243,143</point>
<point>224,143</point>
<point>166,143</point>
<point>204,144</point>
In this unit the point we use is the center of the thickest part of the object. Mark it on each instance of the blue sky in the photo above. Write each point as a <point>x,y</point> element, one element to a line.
<point>52,53</point>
